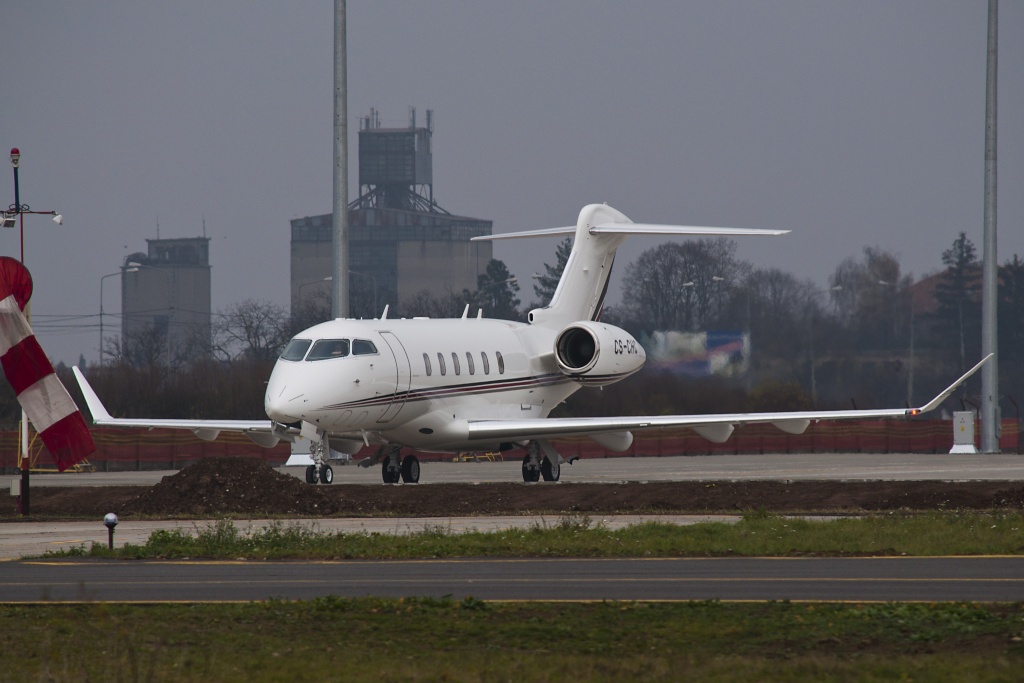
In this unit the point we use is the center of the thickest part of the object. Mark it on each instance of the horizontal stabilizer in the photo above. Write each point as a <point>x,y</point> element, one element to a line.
<point>657,229</point>
<point>635,229</point>
<point>546,232</point>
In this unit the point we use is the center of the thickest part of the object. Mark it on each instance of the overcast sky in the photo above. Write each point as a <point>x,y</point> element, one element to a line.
<point>853,124</point>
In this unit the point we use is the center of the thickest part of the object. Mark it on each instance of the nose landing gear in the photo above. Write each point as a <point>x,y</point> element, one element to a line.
<point>319,471</point>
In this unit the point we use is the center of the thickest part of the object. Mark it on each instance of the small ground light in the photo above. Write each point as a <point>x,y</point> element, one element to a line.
<point>111,521</point>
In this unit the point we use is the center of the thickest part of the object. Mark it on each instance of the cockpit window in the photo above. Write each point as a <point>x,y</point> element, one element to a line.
<point>296,349</point>
<point>363,347</point>
<point>328,348</point>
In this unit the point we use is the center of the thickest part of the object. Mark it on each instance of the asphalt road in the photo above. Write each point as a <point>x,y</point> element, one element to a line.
<point>729,579</point>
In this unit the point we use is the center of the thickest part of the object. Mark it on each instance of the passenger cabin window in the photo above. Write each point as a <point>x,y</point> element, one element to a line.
<point>363,347</point>
<point>426,363</point>
<point>469,363</point>
<point>455,363</point>
<point>296,349</point>
<point>440,362</point>
<point>324,349</point>
<point>487,363</point>
<point>501,362</point>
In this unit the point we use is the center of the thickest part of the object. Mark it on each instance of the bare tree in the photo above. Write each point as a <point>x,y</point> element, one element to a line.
<point>144,347</point>
<point>429,305</point>
<point>872,299</point>
<point>681,286</point>
<point>252,329</point>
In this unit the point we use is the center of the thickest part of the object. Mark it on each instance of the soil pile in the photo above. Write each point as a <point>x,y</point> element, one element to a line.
<point>244,486</point>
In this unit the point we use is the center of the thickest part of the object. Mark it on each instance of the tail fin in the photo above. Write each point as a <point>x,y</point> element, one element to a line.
<point>599,232</point>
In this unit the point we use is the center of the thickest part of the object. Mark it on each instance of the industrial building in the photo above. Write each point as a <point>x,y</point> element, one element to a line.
<point>165,300</point>
<point>401,242</point>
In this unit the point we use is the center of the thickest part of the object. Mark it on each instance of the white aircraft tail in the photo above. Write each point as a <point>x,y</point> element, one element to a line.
<point>598,233</point>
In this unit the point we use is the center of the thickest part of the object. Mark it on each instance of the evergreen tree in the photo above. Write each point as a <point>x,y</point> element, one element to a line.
<point>1011,311</point>
<point>544,287</point>
<point>496,292</point>
<point>958,296</point>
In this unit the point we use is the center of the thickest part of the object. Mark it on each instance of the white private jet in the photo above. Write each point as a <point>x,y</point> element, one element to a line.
<point>475,384</point>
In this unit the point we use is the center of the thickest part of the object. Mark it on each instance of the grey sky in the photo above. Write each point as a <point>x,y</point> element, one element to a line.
<point>853,124</point>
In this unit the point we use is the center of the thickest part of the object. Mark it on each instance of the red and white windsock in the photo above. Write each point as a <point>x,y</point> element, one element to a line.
<point>43,398</point>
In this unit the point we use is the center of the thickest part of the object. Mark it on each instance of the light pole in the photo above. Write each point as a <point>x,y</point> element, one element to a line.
<point>101,313</point>
<point>910,349</point>
<point>18,209</point>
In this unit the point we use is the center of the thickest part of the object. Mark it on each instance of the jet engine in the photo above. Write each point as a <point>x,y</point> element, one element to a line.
<point>595,354</point>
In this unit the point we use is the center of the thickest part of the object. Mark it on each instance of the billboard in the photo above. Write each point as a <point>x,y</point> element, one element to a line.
<point>698,354</point>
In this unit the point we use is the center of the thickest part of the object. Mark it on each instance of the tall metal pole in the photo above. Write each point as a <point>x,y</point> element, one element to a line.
<point>989,293</point>
<point>24,460</point>
<point>340,289</point>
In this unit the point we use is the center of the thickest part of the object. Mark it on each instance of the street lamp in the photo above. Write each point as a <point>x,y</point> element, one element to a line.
<point>317,282</point>
<point>101,310</point>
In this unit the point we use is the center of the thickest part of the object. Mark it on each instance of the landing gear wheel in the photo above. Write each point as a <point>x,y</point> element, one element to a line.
<point>411,469</point>
<point>548,471</point>
<point>390,476</point>
<point>531,472</point>
<point>326,474</point>
<point>311,474</point>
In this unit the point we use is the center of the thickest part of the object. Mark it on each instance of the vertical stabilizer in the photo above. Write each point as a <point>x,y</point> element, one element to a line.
<point>584,283</point>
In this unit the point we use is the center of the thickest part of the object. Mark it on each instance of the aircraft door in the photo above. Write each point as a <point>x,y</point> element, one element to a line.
<point>402,380</point>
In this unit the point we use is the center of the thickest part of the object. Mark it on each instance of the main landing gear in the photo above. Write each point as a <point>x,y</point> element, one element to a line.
<point>393,467</point>
<point>541,460</point>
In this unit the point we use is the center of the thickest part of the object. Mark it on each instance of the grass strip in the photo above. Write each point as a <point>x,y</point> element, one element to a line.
<point>759,535</point>
<point>420,639</point>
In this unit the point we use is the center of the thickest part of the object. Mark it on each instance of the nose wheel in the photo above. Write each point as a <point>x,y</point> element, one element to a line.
<point>319,471</point>
<point>325,475</point>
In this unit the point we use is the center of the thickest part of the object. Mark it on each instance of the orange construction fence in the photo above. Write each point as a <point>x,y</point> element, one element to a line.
<point>144,449</point>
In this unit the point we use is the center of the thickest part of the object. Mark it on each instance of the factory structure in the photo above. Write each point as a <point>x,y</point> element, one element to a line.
<point>165,300</point>
<point>401,244</point>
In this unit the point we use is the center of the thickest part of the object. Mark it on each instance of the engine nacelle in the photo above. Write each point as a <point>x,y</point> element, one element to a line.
<point>595,354</point>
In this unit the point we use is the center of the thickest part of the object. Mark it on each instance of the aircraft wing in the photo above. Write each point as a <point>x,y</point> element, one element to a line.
<point>716,428</point>
<point>261,432</point>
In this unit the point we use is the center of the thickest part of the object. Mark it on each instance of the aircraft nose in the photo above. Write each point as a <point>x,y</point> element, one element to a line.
<point>276,406</point>
<point>278,401</point>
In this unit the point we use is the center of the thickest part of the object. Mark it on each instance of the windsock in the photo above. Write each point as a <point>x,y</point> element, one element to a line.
<point>43,398</point>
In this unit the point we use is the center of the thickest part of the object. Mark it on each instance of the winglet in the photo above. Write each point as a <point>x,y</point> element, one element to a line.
<point>934,403</point>
<point>99,413</point>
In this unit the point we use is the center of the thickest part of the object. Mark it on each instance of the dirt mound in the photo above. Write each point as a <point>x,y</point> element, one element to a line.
<point>244,486</point>
<point>248,487</point>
